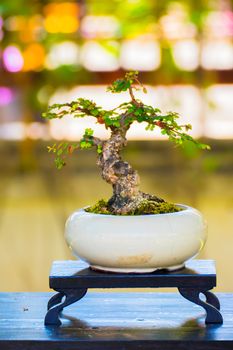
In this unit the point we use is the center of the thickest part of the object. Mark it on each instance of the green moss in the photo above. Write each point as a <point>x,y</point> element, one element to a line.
<point>101,207</point>
<point>151,207</point>
<point>146,207</point>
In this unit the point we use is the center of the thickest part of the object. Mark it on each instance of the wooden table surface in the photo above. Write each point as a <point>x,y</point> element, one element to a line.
<point>119,321</point>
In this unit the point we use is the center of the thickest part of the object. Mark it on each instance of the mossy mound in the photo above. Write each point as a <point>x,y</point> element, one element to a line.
<point>101,207</point>
<point>152,207</point>
<point>146,207</point>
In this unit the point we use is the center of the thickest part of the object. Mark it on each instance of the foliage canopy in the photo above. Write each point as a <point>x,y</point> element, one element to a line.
<point>123,116</point>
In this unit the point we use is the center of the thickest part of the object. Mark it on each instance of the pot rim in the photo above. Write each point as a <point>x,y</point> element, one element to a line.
<point>182,206</point>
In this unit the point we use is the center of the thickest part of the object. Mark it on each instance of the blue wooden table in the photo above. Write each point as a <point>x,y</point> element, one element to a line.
<point>116,321</point>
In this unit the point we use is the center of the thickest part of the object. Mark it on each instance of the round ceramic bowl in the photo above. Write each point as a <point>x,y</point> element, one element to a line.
<point>142,243</point>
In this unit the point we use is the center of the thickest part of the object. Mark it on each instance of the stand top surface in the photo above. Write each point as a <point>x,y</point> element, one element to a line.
<point>77,274</point>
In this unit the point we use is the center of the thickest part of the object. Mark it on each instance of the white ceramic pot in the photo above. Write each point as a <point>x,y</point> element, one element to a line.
<point>142,243</point>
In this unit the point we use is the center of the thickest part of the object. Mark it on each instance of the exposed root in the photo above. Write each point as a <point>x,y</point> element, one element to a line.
<point>152,197</point>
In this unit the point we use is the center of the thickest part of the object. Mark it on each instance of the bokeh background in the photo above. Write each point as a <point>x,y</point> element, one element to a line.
<point>53,51</point>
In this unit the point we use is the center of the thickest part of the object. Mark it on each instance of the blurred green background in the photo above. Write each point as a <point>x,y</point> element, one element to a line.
<point>53,51</point>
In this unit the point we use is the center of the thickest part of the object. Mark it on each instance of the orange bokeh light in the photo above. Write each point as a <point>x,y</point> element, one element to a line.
<point>61,18</point>
<point>34,56</point>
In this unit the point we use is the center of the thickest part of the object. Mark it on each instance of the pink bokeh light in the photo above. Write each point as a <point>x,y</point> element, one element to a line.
<point>6,95</point>
<point>1,31</point>
<point>12,59</point>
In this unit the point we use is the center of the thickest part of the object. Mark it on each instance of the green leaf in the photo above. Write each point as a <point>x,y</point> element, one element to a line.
<point>99,149</point>
<point>85,144</point>
<point>204,146</point>
<point>89,132</point>
<point>59,162</point>
<point>60,151</point>
<point>119,85</point>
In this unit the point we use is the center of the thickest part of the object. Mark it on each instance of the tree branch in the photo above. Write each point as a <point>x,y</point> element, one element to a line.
<point>96,141</point>
<point>134,101</point>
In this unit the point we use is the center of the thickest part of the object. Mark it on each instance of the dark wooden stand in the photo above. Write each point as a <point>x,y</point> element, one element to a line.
<point>72,279</point>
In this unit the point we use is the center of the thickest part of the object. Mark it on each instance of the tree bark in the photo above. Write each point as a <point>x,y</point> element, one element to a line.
<point>125,181</point>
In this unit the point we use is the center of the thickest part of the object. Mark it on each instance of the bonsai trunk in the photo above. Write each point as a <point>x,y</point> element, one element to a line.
<point>124,179</point>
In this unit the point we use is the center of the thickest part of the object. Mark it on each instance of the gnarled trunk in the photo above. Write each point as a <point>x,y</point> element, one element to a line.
<point>120,174</point>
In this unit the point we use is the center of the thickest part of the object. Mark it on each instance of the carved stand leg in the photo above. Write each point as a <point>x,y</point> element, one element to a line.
<point>55,304</point>
<point>211,305</point>
<point>212,299</point>
<point>56,299</point>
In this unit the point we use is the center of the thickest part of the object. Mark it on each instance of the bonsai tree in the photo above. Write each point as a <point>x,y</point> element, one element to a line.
<point>127,198</point>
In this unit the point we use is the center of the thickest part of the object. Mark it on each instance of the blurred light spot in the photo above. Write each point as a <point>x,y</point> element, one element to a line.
<point>96,57</point>
<point>217,55</point>
<point>37,131</point>
<point>29,28</point>
<point>33,57</point>
<point>141,55</point>
<point>13,131</point>
<point>184,99</point>
<point>99,27</point>
<point>186,54</point>
<point>12,59</point>
<point>61,17</point>
<point>219,118</point>
<point>44,93</point>
<point>219,24</point>
<point>176,24</point>
<point>6,95</point>
<point>32,29</point>
<point>35,22</point>
<point>65,53</point>
<point>15,23</point>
